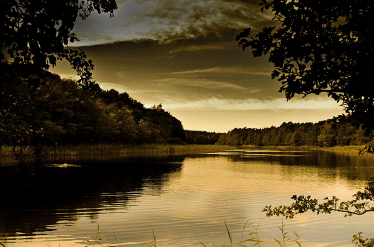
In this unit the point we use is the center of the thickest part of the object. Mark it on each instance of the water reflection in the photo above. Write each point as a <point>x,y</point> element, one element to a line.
<point>179,198</point>
<point>65,192</point>
<point>349,167</point>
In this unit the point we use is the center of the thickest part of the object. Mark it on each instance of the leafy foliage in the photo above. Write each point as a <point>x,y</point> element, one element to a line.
<point>361,203</point>
<point>319,46</point>
<point>359,241</point>
<point>38,33</point>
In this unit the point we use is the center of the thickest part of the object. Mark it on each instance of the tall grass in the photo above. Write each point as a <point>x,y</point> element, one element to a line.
<point>346,150</point>
<point>98,241</point>
<point>249,237</point>
<point>104,149</point>
<point>3,235</point>
<point>133,149</point>
<point>7,150</point>
<point>252,238</point>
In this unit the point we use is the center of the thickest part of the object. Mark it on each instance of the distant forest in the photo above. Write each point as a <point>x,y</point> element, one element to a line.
<point>202,137</point>
<point>48,110</point>
<point>53,111</point>
<point>342,130</point>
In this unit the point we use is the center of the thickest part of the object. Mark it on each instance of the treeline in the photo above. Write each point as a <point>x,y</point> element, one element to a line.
<point>201,137</point>
<point>341,130</point>
<point>48,110</point>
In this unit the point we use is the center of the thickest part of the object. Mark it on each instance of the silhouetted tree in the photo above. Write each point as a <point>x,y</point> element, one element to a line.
<point>320,46</point>
<point>37,33</point>
<point>33,36</point>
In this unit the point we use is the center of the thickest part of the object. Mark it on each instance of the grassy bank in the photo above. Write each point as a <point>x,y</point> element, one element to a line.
<point>122,149</point>
<point>346,150</point>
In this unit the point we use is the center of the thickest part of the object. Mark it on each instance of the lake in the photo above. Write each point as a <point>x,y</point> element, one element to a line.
<point>180,199</point>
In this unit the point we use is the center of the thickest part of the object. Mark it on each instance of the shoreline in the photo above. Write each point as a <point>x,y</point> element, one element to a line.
<point>119,149</point>
<point>83,150</point>
<point>347,150</point>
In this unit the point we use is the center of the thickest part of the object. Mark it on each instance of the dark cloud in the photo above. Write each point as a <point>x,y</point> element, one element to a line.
<point>169,20</point>
<point>189,19</point>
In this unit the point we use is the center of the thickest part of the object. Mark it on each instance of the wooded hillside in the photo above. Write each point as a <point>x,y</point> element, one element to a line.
<point>52,111</point>
<point>342,130</point>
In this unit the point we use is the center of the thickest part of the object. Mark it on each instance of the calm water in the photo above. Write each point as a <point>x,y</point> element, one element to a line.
<point>183,200</point>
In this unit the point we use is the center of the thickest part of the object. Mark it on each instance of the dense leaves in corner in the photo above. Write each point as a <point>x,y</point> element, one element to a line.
<point>38,33</point>
<point>320,46</point>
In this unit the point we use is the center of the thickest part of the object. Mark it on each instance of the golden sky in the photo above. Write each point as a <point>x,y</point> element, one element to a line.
<point>183,54</point>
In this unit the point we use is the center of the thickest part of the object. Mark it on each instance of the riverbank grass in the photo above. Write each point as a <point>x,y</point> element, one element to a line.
<point>346,150</point>
<point>120,149</point>
<point>249,237</point>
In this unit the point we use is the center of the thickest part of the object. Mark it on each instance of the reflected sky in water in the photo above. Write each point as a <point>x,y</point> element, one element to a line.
<point>181,199</point>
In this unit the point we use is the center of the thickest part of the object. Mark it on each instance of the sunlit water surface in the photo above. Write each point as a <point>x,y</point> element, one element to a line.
<point>182,200</point>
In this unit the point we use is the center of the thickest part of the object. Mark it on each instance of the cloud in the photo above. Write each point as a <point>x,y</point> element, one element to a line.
<point>223,70</point>
<point>200,83</point>
<point>186,19</point>
<point>191,48</point>
<point>251,104</point>
<point>169,20</point>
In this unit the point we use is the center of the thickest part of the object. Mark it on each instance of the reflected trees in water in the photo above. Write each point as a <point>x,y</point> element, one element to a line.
<point>56,193</point>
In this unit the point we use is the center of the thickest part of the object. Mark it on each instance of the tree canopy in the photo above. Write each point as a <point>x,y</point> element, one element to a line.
<point>320,46</point>
<point>60,112</point>
<point>38,33</point>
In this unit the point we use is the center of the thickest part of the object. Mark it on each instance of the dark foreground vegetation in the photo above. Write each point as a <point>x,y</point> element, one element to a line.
<point>342,131</point>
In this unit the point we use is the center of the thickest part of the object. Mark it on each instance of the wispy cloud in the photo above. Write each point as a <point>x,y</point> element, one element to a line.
<point>192,48</point>
<point>226,70</point>
<point>190,18</point>
<point>201,83</point>
<point>252,104</point>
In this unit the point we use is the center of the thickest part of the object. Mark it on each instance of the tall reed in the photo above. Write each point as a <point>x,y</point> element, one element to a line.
<point>104,149</point>
<point>251,231</point>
